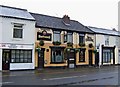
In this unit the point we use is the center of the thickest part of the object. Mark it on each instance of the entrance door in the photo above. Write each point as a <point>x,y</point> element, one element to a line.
<point>6,60</point>
<point>71,59</point>
<point>90,58</point>
<point>41,58</point>
<point>119,57</point>
<point>97,59</point>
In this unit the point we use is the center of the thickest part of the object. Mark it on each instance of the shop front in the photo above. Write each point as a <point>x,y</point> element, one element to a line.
<point>108,55</point>
<point>17,57</point>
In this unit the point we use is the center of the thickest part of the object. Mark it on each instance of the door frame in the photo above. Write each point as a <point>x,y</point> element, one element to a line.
<point>90,57</point>
<point>69,58</point>
<point>42,49</point>
<point>9,52</point>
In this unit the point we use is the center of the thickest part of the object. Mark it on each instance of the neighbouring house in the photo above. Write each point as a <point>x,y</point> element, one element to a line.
<point>119,48</point>
<point>17,37</point>
<point>107,43</point>
<point>62,42</point>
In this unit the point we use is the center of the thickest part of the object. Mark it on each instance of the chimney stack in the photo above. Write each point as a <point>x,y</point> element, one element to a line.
<point>66,19</point>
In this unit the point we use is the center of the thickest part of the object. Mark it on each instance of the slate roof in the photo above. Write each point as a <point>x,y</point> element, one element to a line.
<point>12,12</point>
<point>57,23</point>
<point>104,31</point>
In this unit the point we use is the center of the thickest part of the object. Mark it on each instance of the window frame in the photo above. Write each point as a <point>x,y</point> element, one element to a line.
<point>19,56</point>
<point>54,50</point>
<point>106,53</point>
<point>70,34</point>
<point>83,38</point>
<point>106,40</point>
<point>56,32</point>
<point>84,57</point>
<point>20,27</point>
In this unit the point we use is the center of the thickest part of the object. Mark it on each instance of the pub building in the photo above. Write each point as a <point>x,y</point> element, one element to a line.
<point>61,42</point>
<point>16,39</point>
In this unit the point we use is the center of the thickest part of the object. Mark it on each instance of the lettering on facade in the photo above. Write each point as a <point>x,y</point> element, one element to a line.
<point>89,38</point>
<point>44,35</point>
<point>12,46</point>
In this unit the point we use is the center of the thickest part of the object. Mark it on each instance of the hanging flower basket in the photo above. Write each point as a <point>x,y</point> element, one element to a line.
<point>69,44</point>
<point>41,43</point>
<point>82,44</point>
<point>90,45</point>
<point>38,48</point>
<point>56,43</point>
<point>77,50</point>
<point>95,51</point>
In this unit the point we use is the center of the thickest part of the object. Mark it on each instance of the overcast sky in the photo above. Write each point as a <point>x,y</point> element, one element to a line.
<point>96,13</point>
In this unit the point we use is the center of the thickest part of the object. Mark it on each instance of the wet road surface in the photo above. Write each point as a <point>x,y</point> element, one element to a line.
<point>106,75</point>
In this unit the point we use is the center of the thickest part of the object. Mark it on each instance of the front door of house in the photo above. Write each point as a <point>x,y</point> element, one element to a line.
<point>6,60</point>
<point>90,58</point>
<point>71,58</point>
<point>97,59</point>
<point>41,58</point>
<point>119,57</point>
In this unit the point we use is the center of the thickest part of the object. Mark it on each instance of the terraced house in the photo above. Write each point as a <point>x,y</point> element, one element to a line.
<point>61,42</point>
<point>16,39</point>
<point>107,45</point>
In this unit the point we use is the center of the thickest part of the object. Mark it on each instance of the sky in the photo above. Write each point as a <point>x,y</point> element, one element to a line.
<point>96,13</point>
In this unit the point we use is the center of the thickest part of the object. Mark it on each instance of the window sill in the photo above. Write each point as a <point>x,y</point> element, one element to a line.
<point>57,62</point>
<point>81,61</point>
<point>17,39</point>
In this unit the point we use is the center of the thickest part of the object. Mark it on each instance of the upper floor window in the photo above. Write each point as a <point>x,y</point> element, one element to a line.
<point>81,38</point>
<point>56,36</point>
<point>69,37</point>
<point>106,40</point>
<point>18,31</point>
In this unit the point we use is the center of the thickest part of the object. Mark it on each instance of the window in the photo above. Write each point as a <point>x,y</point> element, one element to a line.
<point>69,37</point>
<point>65,38</point>
<point>81,38</point>
<point>107,55</point>
<point>56,36</point>
<point>18,31</point>
<point>82,55</point>
<point>21,56</point>
<point>106,40</point>
<point>57,56</point>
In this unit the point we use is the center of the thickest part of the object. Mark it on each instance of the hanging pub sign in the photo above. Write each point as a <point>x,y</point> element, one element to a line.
<point>89,39</point>
<point>44,35</point>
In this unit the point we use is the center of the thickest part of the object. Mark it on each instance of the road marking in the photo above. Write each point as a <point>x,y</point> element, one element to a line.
<point>5,83</point>
<point>7,75</point>
<point>65,77</point>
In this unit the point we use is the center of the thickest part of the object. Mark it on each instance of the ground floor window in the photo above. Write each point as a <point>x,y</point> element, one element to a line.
<point>57,55</point>
<point>82,55</point>
<point>107,55</point>
<point>21,56</point>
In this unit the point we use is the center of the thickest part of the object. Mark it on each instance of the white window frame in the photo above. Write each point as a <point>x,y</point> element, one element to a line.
<point>18,28</point>
<point>107,41</point>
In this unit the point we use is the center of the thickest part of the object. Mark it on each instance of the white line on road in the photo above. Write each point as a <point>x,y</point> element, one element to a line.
<point>5,83</point>
<point>65,77</point>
